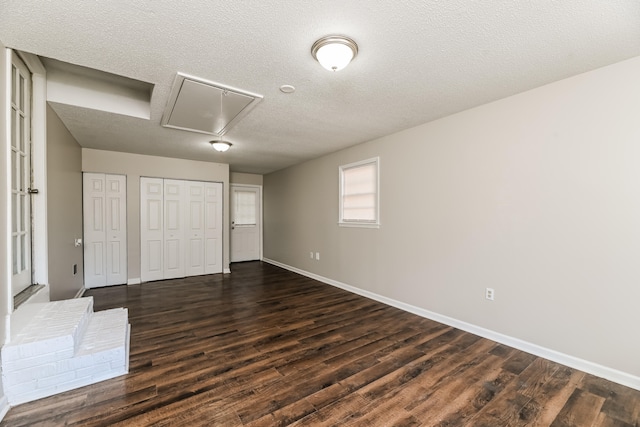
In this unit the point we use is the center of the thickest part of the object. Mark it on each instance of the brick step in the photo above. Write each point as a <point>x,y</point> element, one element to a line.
<point>57,325</point>
<point>50,355</point>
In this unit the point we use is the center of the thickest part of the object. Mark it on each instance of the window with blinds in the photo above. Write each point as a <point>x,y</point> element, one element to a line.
<point>245,208</point>
<point>359,194</point>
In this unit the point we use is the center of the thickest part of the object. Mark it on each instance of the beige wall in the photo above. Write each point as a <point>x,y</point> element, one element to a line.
<point>64,209</point>
<point>536,196</point>
<point>246,178</point>
<point>134,166</point>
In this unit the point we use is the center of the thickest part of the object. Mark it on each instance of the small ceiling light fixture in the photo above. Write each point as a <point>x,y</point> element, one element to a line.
<point>287,89</point>
<point>220,146</point>
<point>334,52</point>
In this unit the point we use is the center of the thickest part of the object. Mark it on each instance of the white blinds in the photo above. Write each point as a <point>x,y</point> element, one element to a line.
<point>245,208</point>
<point>359,193</point>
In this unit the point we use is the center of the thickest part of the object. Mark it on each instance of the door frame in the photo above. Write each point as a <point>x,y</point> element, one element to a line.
<point>260,217</point>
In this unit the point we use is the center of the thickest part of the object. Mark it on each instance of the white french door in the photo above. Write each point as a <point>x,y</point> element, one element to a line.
<point>180,228</point>
<point>105,229</point>
<point>246,224</point>
<point>20,175</point>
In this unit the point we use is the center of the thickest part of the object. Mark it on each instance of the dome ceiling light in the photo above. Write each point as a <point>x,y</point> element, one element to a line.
<point>334,52</point>
<point>220,146</point>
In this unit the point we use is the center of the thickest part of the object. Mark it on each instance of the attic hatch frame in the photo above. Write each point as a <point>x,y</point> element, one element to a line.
<point>193,105</point>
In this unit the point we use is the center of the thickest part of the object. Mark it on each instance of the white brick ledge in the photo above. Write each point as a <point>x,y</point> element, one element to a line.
<point>65,345</point>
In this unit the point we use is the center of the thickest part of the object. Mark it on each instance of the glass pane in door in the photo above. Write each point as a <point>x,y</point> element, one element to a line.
<point>14,248</point>
<point>245,207</point>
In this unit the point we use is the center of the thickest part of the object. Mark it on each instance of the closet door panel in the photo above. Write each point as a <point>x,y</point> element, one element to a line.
<point>116,229</point>
<point>195,228</point>
<point>213,227</point>
<point>174,229</point>
<point>151,229</point>
<point>93,201</point>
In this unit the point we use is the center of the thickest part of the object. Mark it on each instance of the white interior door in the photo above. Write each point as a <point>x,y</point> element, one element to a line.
<point>151,229</point>
<point>195,242</point>
<point>116,229</point>
<point>213,227</point>
<point>93,201</point>
<point>105,229</point>
<point>174,229</point>
<point>245,223</point>
<point>20,129</point>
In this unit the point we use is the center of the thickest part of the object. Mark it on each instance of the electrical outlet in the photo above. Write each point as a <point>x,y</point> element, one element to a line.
<point>489,294</point>
<point>317,256</point>
<point>311,255</point>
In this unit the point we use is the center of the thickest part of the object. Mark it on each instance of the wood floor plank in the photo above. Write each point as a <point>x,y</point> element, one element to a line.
<point>581,409</point>
<point>267,347</point>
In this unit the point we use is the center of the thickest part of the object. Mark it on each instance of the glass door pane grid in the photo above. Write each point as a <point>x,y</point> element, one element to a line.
<point>20,173</point>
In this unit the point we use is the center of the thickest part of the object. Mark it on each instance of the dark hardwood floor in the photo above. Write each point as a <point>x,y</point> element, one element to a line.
<point>266,347</point>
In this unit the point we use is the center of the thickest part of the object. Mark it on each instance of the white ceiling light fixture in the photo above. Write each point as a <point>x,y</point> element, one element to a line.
<point>334,52</point>
<point>220,146</point>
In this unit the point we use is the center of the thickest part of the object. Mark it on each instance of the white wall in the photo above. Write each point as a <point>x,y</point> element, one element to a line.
<point>134,166</point>
<point>536,196</point>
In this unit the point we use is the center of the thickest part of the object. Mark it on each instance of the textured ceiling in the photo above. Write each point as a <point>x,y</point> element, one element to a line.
<point>418,61</point>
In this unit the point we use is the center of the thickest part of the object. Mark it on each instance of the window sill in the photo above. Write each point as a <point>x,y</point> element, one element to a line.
<point>359,224</point>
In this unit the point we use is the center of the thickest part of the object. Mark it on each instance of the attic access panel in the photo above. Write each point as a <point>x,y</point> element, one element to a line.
<point>199,105</point>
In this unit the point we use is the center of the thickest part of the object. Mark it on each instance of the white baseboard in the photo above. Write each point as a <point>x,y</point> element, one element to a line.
<point>4,406</point>
<point>80,293</point>
<point>134,281</point>
<point>601,371</point>
<point>227,271</point>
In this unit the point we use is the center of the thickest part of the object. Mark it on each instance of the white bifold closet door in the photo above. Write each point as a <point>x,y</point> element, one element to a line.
<point>105,229</point>
<point>195,228</point>
<point>174,229</point>
<point>151,228</point>
<point>180,228</point>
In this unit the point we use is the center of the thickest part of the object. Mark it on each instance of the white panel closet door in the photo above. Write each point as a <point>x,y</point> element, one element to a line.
<point>180,228</point>
<point>213,227</point>
<point>151,229</point>
<point>195,228</point>
<point>174,229</point>
<point>95,238</point>
<point>105,229</point>
<point>116,228</point>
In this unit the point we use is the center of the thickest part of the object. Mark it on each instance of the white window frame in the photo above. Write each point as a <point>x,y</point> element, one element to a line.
<point>375,223</point>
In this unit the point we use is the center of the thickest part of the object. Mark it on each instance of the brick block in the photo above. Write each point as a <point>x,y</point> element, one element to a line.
<point>54,380</point>
<point>42,359</point>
